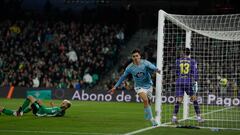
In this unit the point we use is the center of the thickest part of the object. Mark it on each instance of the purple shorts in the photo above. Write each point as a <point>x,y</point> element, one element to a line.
<point>180,88</point>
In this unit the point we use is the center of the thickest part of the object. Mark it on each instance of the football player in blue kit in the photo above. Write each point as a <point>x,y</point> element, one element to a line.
<point>141,70</point>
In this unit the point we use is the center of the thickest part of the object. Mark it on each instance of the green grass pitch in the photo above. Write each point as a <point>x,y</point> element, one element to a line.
<point>93,118</point>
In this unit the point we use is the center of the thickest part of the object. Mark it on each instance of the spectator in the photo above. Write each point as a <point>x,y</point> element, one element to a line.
<point>87,78</point>
<point>36,82</point>
<point>77,85</point>
<point>62,84</point>
<point>72,56</point>
<point>120,37</point>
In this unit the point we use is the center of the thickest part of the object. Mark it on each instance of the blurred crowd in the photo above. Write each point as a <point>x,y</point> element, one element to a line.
<point>57,54</point>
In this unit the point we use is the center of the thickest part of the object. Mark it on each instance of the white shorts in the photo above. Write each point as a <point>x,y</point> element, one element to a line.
<point>147,91</point>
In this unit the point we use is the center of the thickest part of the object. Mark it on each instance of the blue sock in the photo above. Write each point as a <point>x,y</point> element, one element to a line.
<point>148,113</point>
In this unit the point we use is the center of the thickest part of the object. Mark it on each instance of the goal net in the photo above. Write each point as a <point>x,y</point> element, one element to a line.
<point>215,45</point>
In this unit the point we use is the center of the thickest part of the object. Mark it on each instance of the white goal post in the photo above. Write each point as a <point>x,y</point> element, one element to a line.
<point>214,41</point>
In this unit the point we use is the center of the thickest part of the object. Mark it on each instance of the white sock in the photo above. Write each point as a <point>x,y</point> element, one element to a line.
<point>152,119</point>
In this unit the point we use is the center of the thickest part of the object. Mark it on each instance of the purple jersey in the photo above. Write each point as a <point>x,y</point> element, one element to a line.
<point>186,71</point>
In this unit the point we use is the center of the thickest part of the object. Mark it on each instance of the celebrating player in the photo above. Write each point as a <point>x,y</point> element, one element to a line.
<point>140,70</point>
<point>187,76</point>
<point>38,109</point>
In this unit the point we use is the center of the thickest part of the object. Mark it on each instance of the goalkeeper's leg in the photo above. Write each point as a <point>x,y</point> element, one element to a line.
<point>196,108</point>
<point>193,97</point>
<point>25,106</point>
<point>179,94</point>
<point>11,112</point>
<point>8,111</point>
<point>176,109</point>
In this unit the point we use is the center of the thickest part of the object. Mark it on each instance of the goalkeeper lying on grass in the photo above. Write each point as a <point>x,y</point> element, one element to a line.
<point>34,105</point>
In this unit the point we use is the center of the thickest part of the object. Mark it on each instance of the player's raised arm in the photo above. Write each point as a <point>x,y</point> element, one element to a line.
<point>121,79</point>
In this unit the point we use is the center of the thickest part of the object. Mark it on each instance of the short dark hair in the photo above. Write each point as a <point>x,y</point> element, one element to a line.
<point>136,51</point>
<point>186,51</point>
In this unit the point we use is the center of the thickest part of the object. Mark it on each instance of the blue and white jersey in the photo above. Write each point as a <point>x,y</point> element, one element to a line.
<point>140,73</point>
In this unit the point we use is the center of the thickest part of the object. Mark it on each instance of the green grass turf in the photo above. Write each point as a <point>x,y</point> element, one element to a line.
<point>95,118</point>
<point>215,116</point>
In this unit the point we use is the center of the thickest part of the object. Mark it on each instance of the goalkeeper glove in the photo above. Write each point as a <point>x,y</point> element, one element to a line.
<point>195,87</point>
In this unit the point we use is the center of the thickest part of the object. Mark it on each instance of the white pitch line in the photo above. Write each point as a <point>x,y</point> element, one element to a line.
<point>140,130</point>
<point>201,114</point>
<point>53,132</point>
<point>219,120</point>
<point>166,124</point>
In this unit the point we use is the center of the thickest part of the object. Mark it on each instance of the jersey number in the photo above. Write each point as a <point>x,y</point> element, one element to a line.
<point>184,68</point>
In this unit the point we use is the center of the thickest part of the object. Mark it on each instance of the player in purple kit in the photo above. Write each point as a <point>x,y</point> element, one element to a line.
<point>187,76</point>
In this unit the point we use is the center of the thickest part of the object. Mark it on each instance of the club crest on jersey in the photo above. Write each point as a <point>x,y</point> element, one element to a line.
<point>139,74</point>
